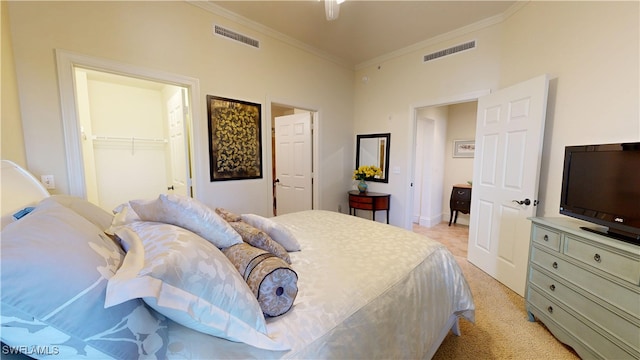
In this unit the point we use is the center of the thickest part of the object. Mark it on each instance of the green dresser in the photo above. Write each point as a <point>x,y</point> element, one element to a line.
<point>585,288</point>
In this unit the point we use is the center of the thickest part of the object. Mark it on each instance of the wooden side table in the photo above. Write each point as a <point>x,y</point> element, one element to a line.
<point>460,201</point>
<point>372,201</point>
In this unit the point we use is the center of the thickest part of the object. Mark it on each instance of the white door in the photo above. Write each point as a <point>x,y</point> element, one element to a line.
<point>509,134</point>
<point>176,110</point>
<point>293,163</point>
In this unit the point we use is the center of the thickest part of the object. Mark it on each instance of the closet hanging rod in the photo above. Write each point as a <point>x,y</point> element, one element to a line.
<point>117,138</point>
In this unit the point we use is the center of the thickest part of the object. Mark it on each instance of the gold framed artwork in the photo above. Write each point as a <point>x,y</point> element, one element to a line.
<point>464,148</point>
<point>235,139</point>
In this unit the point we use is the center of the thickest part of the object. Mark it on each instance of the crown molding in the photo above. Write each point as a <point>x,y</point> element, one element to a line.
<point>479,25</point>
<point>267,31</point>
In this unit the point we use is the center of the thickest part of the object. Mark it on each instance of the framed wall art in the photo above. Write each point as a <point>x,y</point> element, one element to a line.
<point>464,148</point>
<point>235,139</point>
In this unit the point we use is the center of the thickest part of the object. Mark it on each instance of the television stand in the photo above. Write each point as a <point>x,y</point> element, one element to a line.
<point>585,288</point>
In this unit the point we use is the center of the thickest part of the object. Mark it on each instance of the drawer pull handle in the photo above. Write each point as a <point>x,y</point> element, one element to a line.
<point>546,238</point>
<point>597,258</point>
<point>550,309</point>
<point>552,287</point>
<point>555,265</point>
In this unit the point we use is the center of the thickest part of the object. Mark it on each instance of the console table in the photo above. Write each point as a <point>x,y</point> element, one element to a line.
<point>460,201</point>
<point>368,200</point>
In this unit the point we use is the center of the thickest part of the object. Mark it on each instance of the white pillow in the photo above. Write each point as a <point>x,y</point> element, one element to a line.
<point>190,281</point>
<point>190,214</point>
<point>277,232</point>
<point>55,267</point>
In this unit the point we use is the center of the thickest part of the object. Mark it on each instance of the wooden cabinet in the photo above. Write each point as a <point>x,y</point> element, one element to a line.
<point>460,201</point>
<point>585,288</point>
<point>372,201</point>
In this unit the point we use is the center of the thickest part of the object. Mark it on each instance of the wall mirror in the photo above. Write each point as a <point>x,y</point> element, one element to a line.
<point>373,149</point>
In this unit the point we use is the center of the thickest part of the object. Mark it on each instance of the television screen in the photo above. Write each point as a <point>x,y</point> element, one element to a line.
<point>601,184</point>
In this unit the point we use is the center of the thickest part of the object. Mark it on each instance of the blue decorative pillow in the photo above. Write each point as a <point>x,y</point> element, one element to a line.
<point>55,268</point>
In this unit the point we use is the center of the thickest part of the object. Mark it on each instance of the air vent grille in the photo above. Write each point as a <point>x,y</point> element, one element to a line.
<point>230,34</point>
<point>450,51</point>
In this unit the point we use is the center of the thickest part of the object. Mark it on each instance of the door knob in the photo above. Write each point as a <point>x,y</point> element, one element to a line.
<point>526,202</point>
<point>275,182</point>
<point>170,188</point>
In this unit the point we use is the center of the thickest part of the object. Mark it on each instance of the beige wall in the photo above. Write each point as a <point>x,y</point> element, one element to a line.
<point>590,50</point>
<point>12,145</point>
<point>176,37</point>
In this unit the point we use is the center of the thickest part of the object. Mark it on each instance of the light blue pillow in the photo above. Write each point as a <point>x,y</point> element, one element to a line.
<point>55,268</point>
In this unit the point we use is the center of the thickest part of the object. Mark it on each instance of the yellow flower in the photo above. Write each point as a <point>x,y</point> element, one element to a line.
<point>367,172</point>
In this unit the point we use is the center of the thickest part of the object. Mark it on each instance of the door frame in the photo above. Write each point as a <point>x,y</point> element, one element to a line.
<point>315,149</point>
<point>66,62</point>
<point>413,123</point>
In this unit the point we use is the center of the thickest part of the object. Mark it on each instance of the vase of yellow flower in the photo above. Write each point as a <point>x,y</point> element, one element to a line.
<point>366,172</point>
<point>362,186</point>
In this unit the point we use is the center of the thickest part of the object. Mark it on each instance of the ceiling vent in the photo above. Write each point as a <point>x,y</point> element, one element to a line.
<point>450,51</point>
<point>230,34</point>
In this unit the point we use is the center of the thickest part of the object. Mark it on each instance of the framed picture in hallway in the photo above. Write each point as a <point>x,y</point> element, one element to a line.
<point>464,148</point>
<point>235,139</point>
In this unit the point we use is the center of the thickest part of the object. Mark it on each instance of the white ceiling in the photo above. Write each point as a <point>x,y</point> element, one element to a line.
<point>365,29</point>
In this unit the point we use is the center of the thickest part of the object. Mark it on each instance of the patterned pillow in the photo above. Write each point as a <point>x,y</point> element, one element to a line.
<point>55,267</point>
<point>228,215</point>
<point>189,280</point>
<point>260,239</point>
<point>272,281</point>
<point>190,214</point>
<point>278,233</point>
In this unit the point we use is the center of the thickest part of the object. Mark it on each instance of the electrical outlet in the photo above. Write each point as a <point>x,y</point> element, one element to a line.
<point>48,181</point>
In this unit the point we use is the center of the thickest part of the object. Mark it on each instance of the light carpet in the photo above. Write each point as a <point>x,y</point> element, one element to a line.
<point>501,329</point>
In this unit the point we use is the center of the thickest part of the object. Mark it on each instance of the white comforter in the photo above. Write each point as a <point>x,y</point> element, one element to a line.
<point>366,290</point>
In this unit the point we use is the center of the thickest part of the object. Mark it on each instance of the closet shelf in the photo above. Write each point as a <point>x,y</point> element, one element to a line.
<point>132,139</point>
<point>133,143</point>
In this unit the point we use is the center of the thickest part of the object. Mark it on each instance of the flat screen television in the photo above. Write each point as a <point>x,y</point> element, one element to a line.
<point>601,185</point>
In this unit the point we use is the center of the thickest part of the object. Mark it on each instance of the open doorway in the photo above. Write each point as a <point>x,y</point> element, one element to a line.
<point>437,168</point>
<point>292,157</point>
<point>132,123</point>
<point>434,168</point>
<point>135,127</point>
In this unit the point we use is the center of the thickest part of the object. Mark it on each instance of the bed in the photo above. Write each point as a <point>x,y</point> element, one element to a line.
<point>364,290</point>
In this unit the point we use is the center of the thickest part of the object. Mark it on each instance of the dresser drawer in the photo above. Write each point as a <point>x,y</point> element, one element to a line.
<point>614,294</point>
<point>589,337</point>
<point>546,237</point>
<point>460,205</point>
<point>461,194</point>
<point>615,264</point>
<point>360,199</point>
<point>612,323</point>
